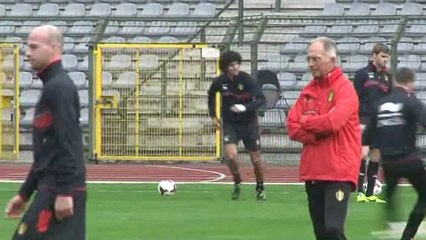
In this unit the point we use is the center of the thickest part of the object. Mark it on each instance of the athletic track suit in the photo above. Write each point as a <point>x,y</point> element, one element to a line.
<point>325,119</point>
<point>58,167</point>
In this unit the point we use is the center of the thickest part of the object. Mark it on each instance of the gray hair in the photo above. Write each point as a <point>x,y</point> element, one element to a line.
<point>330,46</point>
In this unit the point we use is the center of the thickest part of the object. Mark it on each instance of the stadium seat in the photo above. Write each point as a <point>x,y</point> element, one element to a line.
<point>410,9</point>
<point>112,28</point>
<point>348,45</point>
<point>396,1</point>
<point>138,1</point>
<point>420,46</point>
<point>152,10</point>
<point>37,84</point>
<point>2,10</point>
<point>68,44</point>
<point>127,79</point>
<point>177,10</point>
<point>25,80</point>
<point>84,117</point>
<point>167,39</point>
<point>61,25</point>
<point>299,64</point>
<point>337,30</point>
<point>26,27</point>
<point>7,27</point>
<point>79,79</point>
<point>345,1</point>
<point>354,62</point>
<point>148,62</point>
<point>184,29</point>
<point>368,44</point>
<point>125,10</point>
<point>83,65</point>
<point>69,62</point>
<point>82,45</point>
<point>384,9</point>
<point>410,61</point>
<point>84,97</point>
<point>118,62</point>
<point>158,28</point>
<point>106,78</point>
<point>388,30</point>
<point>21,10</point>
<point>287,80</point>
<point>290,97</point>
<point>207,10</point>
<point>305,79</point>
<point>358,9</point>
<point>416,29</point>
<point>421,80</point>
<point>295,45</point>
<point>405,45</point>
<point>366,29</point>
<point>141,39</point>
<point>29,97</point>
<point>114,39</point>
<point>48,10</point>
<point>100,10</point>
<point>313,30</point>
<point>27,120</point>
<point>370,1</point>
<point>277,63</point>
<point>73,10</point>
<point>81,28</point>
<point>333,9</point>
<point>274,118</point>
<point>132,28</point>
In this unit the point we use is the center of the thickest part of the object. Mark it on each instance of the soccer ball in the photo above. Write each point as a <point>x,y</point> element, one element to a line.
<point>378,187</point>
<point>167,187</point>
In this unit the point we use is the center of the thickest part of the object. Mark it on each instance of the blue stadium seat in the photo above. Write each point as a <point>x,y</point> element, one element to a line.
<point>83,65</point>
<point>82,45</point>
<point>338,30</point>
<point>306,78</point>
<point>368,44</point>
<point>141,39</point>
<point>366,29</point>
<point>184,29</point>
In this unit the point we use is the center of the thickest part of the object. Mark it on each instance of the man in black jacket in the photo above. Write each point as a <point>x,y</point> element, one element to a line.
<point>393,130</point>
<point>371,83</point>
<point>58,171</point>
<point>241,97</point>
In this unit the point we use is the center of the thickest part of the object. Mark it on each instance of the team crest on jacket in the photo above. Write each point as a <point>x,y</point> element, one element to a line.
<point>340,195</point>
<point>240,87</point>
<point>331,96</point>
<point>22,229</point>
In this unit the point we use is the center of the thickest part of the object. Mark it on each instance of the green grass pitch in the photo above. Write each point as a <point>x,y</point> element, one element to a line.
<point>205,211</point>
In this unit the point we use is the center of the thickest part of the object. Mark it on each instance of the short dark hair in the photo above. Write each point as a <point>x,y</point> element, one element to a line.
<point>227,58</point>
<point>404,75</point>
<point>380,47</point>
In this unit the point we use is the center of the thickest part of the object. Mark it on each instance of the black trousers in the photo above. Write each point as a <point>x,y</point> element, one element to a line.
<point>328,205</point>
<point>413,170</point>
<point>39,222</point>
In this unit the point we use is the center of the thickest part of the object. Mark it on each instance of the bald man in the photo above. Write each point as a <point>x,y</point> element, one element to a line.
<point>58,172</point>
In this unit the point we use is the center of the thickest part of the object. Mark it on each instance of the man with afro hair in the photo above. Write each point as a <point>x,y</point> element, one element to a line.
<point>241,97</point>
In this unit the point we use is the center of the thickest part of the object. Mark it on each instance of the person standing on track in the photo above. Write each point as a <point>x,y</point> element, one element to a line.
<point>325,119</point>
<point>371,83</point>
<point>241,97</point>
<point>58,173</point>
<point>392,128</point>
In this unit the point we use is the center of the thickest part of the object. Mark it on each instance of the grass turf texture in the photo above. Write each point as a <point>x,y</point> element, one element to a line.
<point>206,211</point>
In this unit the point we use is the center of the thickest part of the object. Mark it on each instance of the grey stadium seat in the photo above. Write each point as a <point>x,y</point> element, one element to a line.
<point>416,29</point>
<point>339,30</point>
<point>48,10</point>
<point>313,30</point>
<point>420,47</point>
<point>7,27</point>
<point>348,45</point>
<point>118,62</point>
<point>411,9</point>
<point>82,45</point>
<point>61,25</point>
<point>384,9</point>
<point>286,79</point>
<point>299,64</point>
<point>366,29</point>
<point>81,28</point>
<point>277,63</point>
<point>207,10</point>
<point>358,9</point>
<point>83,65</point>
<point>420,79</point>
<point>2,10</point>
<point>37,84</point>
<point>152,10</point>
<point>167,39</point>
<point>84,97</point>
<point>158,28</point>
<point>354,62</point>
<point>25,80</point>
<point>69,62</point>
<point>127,79</point>
<point>290,96</point>
<point>148,62</point>
<point>100,10</point>
<point>333,9</point>
<point>132,28</point>
<point>125,10</point>
<point>84,117</point>
<point>112,28</point>
<point>388,30</point>
<point>74,10</point>
<point>79,78</point>
<point>29,97</point>
<point>410,61</point>
<point>368,44</point>
<point>295,45</point>
<point>405,45</point>
<point>184,29</point>
<point>273,118</point>
<point>27,27</point>
<point>306,78</point>
<point>114,39</point>
<point>68,44</point>
<point>106,78</point>
<point>21,10</point>
<point>27,120</point>
<point>178,10</point>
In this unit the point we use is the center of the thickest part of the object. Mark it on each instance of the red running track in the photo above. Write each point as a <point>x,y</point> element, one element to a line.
<point>154,173</point>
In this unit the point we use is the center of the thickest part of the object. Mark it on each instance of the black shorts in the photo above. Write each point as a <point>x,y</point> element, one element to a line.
<point>248,132</point>
<point>365,140</point>
<point>39,222</point>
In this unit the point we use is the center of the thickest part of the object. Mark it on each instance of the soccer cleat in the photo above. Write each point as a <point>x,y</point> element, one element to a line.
<point>361,198</point>
<point>236,192</point>
<point>260,195</point>
<point>375,199</point>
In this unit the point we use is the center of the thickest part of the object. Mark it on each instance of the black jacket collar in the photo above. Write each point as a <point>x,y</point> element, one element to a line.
<point>51,70</point>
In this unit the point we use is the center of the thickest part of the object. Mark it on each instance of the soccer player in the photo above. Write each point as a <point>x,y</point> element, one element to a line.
<point>325,119</point>
<point>371,83</point>
<point>393,130</point>
<point>58,171</point>
<point>241,97</point>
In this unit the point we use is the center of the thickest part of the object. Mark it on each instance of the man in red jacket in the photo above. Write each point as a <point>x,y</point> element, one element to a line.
<point>325,119</point>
